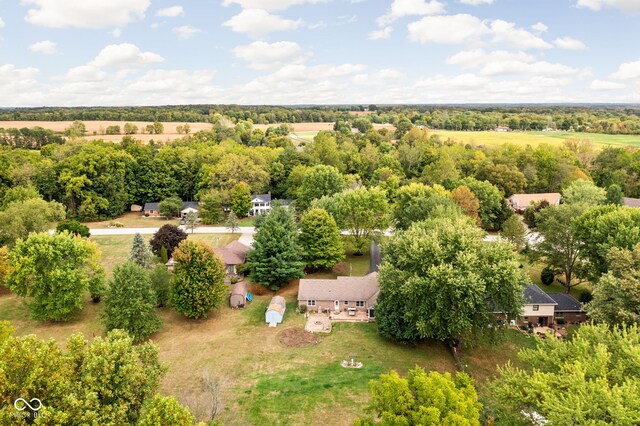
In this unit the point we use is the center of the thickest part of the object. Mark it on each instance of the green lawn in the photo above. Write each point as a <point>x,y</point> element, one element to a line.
<point>134,220</point>
<point>534,138</point>
<point>534,270</point>
<point>115,249</point>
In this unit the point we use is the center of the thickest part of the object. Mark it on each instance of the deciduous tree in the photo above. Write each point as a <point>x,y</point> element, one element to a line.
<point>211,207</point>
<point>232,222</point>
<point>170,207</point>
<point>73,227</point>
<point>467,201</point>
<point>584,192</point>
<point>493,209</point>
<point>241,199</point>
<point>320,239</point>
<point>21,218</point>
<point>319,181</point>
<point>163,411</point>
<point>53,272</point>
<point>423,399</point>
<point>513,231</point>
<point>436,277</point>
<point>168,236</point>
<point>198,286</point>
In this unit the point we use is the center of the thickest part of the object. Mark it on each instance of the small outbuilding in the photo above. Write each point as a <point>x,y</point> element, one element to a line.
<point>238,295</point>
<point>275,311</point>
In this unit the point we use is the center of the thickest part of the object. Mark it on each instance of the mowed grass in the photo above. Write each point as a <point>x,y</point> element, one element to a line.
<point>534,138</point>
<point>134,220</point>
<point>115,249</point>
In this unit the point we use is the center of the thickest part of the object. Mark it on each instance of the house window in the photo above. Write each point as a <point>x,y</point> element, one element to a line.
<point>536,307</point>
<point>346,303</point>
<point>311,303</point>
<point>360,303</point>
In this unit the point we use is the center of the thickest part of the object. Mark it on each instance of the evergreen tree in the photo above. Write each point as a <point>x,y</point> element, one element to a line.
<point>199,280</point>
<point>277,256</point>
<point>320,239</point>
<point>161,279</point>
<point>164,255</point>
<point>140,254</point>
<point>130,302</point>
<point>232,222</point>
<point>241,199</point>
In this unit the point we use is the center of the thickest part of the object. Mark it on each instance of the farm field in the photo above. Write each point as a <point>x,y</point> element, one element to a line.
<point>535,138</point>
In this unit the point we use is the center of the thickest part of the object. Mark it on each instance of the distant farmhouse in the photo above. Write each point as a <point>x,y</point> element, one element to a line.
<point>151,209</point>
<point>261,204</point>
<point>631,202</point>
<point>503,129</point>
<point>520,202</point>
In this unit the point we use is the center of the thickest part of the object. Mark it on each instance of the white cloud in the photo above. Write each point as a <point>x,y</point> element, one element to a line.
<point>1,23</point>
<point>605,85</point>
<point>271,5</point>
<point>185,31</point>
<point>46,46</point>
<point>170,12</point>
<point>458,82</point>
<point>19,86</point>
<point>476,2</point>
<point>257,23</point>
<point>381,34</point>
<point>382,77</point>
<point>507,63</point>
<point>506,32</point>
<point>82,73</point>
<point>631,6</point>
<point>124,55</point>
<point>402,8</point>
<point>627,71</point>
<point>87,14</point>
<point>568,43</point>
<point>262,56</point>
<point>449,29</point>
<point>116,33</point>
<point>539,28</point>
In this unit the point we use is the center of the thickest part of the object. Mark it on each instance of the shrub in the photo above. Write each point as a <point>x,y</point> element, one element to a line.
<point>547,276</point>
<point>233,280</point>
<point>303,309</point>
<point>73,227</point>
<point>560,320</point>
<point>585,296</point>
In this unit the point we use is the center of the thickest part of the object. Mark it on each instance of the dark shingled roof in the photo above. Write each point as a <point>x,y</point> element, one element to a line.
<point>566,302</point>
<point>533,295</point>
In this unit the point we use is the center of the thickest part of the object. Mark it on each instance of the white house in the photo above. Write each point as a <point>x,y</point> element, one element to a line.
<point>261,204</point>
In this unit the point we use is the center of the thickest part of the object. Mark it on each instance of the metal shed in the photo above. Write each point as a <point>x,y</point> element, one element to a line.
<point>238,295</point>
<point>275,311</point>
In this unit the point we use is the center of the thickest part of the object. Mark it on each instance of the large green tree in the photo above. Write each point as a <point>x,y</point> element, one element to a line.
<point>584,192</point>
<point>557,245</point>
<point>170,207</point>
<point>241,199</point>
<point>277,256</point>
<point>198,286</point>
<point>52,272</point>
<point>590,379</point>
<point>493,209</point>
<point>168,236</point>
<point>163,411</point>
<point>211,207</point>
<point>130,302</point>
<point>601,228</point>
<point>416,202</point>
<point>103,382</point>
<point>320,239</point>
<point>319,181</point>
<point>423,399</point>
<point>436,277</point>
<point>363,212</point>
<point>21,218</point>
<point>616,296</point>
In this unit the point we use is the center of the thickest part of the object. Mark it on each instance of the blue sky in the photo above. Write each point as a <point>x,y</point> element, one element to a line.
<point>149,52</point>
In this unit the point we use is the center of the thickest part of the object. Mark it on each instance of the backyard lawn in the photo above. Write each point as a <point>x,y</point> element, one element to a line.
<point>115,249</point>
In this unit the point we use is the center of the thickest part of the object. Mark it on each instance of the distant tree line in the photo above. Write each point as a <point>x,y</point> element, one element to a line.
<point>592,119</point>
<point>29,138</point>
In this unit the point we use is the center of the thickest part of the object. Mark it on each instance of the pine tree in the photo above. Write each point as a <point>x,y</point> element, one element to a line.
<point>277,256</point>
<point>164,255</point>
<point>130,302</point>
<point>140,254</point>
<point>232,222</point>
<point>320,239</point>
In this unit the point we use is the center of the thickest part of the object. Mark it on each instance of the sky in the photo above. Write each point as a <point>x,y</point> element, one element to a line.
<point>287,52</point>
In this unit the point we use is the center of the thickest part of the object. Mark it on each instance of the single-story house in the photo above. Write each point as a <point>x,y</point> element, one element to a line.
<point>151,209</point>
<point>520,202</point>
<point>503,129</point>
<point>232,255</point>
<point>344,294</point>
<point>631,202</point>
<point>238,295</point>
<point>569,308</point>
<point>275,311</point>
